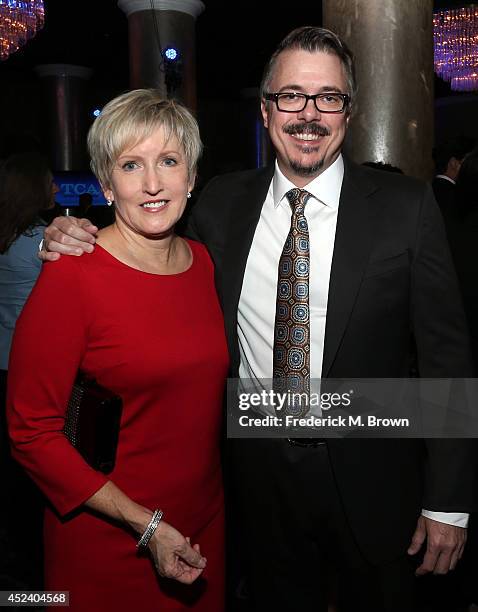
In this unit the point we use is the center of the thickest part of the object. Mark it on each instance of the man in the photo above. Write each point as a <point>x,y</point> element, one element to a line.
<point>379,272</point>
<point>448,157</point>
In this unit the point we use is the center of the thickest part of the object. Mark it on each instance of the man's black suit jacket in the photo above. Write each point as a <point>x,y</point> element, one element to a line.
<point>391,280</point>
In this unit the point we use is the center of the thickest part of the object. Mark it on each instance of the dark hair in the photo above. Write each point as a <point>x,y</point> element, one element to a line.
<point>456,147</point>
<point>312,39</point>
<point>24,192</point>
<point>467,182</point>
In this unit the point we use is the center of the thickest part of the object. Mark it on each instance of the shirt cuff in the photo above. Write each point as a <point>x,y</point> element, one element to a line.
<point>459,519</point>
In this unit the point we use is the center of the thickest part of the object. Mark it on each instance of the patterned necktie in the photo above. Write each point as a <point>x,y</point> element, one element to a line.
<point>291,363</point>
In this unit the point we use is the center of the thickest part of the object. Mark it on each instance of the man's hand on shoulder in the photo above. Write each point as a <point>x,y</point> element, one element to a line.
<point>68,236</point>
<point>444,545</point>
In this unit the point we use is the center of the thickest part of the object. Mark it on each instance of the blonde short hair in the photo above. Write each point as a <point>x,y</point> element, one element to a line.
<point>130,118</point>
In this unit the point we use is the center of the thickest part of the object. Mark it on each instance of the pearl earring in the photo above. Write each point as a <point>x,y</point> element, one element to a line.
<point>189,194</point>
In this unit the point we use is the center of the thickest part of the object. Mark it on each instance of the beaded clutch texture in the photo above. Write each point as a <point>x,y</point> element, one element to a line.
<point>93,422</point>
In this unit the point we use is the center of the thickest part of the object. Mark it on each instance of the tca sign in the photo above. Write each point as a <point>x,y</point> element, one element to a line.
<point>79,189</point>
<point>72,185</point>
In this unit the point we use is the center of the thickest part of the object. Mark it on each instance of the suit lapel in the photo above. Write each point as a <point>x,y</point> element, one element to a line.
<point>246,208</point>
<point>353,239</point>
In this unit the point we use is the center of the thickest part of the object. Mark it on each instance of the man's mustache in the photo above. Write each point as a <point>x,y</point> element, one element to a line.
<point>309,128</point>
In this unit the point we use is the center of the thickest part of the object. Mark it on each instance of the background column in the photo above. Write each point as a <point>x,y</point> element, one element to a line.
<point>392,41</point>
<point>258,151</point>
<point>66,117</point>
<point>172,23</point>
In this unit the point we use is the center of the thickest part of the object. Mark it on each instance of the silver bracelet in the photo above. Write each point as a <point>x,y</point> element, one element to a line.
<point>150,529</point>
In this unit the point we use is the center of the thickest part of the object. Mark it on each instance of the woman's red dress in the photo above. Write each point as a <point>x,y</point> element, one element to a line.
<point>158,341</point>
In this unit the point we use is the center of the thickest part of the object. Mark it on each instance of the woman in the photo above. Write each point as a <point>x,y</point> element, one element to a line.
<point>141,316</point>
<point>26,191</point>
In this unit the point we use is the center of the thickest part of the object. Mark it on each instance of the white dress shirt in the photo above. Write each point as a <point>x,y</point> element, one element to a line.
<point>257,303</point>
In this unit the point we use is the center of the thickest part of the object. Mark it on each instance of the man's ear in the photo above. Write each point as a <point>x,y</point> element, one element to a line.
<point>265,116</point>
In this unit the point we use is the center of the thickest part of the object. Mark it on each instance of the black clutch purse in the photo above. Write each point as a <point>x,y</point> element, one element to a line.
<point>92,423</point>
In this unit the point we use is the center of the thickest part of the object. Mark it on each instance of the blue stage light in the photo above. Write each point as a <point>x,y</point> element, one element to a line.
<point>171,54</point>
<point>96,112</point>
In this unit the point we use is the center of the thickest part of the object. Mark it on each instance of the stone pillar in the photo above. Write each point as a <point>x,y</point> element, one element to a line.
<point>392,41</point>
<point>66,114</point>
<point>170,24</point>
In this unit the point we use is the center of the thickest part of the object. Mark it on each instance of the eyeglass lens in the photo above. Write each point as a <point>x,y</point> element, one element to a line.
<point>295,102</point>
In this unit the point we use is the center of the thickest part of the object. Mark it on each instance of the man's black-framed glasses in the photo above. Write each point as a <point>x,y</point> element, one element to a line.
<point>294,102</point>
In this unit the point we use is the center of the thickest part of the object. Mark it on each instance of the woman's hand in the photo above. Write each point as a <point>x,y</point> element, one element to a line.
<point>173,555</point>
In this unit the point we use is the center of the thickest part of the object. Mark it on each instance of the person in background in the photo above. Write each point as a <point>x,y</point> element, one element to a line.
<point>85,202</point>
<point>27,190</point>
<point>448,157</point>
<point>141,316</point>
<point>462,229</point>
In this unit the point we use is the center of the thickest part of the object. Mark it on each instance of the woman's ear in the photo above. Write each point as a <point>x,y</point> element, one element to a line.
<point>192,181</point>
<point>108,194</point>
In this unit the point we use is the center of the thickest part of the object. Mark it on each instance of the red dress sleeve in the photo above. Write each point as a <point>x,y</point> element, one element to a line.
<point>50,339</point>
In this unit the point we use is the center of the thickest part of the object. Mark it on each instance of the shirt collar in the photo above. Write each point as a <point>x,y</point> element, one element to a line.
<point>447,178</point>
<point>326,187</point>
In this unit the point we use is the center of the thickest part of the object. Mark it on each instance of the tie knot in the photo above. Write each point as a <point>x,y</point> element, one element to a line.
<point>297,199</point>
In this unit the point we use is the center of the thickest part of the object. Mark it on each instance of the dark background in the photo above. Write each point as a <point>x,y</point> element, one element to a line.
<point>234,40</point>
